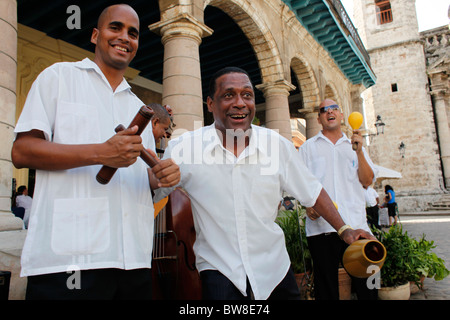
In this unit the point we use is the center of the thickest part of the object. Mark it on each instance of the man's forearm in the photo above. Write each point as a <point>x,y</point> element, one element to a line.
<point>325,207</point>
<point>36,153</point>
<point>365,172</point>
<point>32,150</point>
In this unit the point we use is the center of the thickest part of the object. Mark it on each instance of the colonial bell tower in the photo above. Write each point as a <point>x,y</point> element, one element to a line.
<point>389,31</point>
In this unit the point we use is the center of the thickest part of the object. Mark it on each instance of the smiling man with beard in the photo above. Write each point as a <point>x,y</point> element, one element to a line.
<point>240,250</point>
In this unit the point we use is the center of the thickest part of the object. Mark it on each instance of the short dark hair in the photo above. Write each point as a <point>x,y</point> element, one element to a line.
<point>212,83</point>
<point>159,112</point>
<point>21,189</point>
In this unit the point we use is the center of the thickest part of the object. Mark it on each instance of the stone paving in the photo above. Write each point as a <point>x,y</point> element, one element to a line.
<point>435,228</point>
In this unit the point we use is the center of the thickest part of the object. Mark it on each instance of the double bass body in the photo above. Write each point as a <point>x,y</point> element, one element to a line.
<point>174,273</point>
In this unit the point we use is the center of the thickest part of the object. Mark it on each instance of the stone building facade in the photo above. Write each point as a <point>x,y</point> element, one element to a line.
<point>411,96</point>
<point>437,53</point>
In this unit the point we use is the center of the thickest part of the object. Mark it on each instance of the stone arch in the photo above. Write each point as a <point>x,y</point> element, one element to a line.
<point>258,34</point>
<point>307,81</point>
<point>332,93</point>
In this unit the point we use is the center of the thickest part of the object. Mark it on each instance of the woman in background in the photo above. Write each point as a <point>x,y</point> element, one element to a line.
<point>391,204</point>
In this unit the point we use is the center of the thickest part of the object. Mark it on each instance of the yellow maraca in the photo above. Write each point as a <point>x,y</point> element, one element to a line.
<point>355,119</point>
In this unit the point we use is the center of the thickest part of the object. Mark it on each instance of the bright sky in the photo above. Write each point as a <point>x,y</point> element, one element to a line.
<point>430,13</point>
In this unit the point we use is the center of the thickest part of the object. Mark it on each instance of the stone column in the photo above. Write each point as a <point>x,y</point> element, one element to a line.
<point>277,106</point>
<point>8,71</point>
<point>182,83</point>
<point>443,132</point>
<point>357,101</point>
<point>312,125</point>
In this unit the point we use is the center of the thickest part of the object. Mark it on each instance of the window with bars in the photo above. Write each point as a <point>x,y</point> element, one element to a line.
<point>384,11</point>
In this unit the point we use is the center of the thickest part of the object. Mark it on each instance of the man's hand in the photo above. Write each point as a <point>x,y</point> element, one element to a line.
<point>312,214</point>
<point>122,149</point>
<point>166,173</point>
<point>350,235</point>
<point>32,150</point>
<point>357,137</point>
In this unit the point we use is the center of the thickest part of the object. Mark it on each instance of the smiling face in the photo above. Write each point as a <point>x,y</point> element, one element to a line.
<point>233,102</point>
<point>116,37</point>
<point>160,128</point>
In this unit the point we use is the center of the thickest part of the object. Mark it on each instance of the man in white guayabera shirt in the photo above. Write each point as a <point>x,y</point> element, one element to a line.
<point>343,172</point>
<point>234,173</point>
<point>86,240</point>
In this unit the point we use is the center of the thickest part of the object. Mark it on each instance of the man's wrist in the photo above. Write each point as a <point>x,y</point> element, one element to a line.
<point>343,228</point>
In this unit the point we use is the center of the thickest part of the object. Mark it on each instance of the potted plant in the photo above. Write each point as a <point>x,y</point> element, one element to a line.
<point>292,222</point>
<point>426,263</point>
<point>399,265</point>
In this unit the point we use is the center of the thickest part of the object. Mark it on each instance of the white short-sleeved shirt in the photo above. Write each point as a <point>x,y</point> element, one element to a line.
<point>76,222</point>
<point>25,202</point>
<point>336,167</point>
<point>235,202</point>
<point>371,197</point>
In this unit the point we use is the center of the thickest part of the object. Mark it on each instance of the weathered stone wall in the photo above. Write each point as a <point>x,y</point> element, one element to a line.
<point>398,59</point>
<point>404,26</point>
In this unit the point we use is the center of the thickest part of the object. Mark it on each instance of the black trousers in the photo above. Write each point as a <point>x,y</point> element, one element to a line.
<point>326,252</point>
<point>391,209</point>
<point>373,216</point>
<point>95,284</point>
<point>215,286</point>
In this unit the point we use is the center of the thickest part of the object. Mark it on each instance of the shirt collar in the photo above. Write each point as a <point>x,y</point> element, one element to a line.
<point>342,139</point>
<point>87,63</point>
<point>256,143</point>
<point>212,138</point>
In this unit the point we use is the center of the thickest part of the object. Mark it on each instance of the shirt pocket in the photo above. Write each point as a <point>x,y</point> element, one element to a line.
<point>80,226</point>
<point>76,123</point>
<point>352,170</point>
<point>265,196</point>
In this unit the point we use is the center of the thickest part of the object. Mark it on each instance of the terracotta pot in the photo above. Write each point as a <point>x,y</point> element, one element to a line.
<point>402,292</point>
<point>361,255</point>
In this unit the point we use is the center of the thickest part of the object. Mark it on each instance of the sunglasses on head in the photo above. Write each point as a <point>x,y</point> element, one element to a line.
<point>333,107</point>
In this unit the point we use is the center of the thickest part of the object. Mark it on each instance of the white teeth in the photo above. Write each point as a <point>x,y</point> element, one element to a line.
<point>121,49</point>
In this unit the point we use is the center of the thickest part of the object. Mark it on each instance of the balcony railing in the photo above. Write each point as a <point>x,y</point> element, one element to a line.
<point>384,16</point>
<point>339,8</point>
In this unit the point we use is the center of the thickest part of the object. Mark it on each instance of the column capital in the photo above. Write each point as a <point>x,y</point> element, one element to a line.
<point>310,113</point>
<point>438,92</point>
<point>312,125</point>
<point>278,87</point>
<point>182,25</point>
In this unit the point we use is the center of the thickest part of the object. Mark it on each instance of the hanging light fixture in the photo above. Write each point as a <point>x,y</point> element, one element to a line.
<point>402,149</point>
<point>379,124</point>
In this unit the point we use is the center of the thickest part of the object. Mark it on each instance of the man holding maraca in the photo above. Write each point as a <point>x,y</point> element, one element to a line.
<point>343,167</point>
